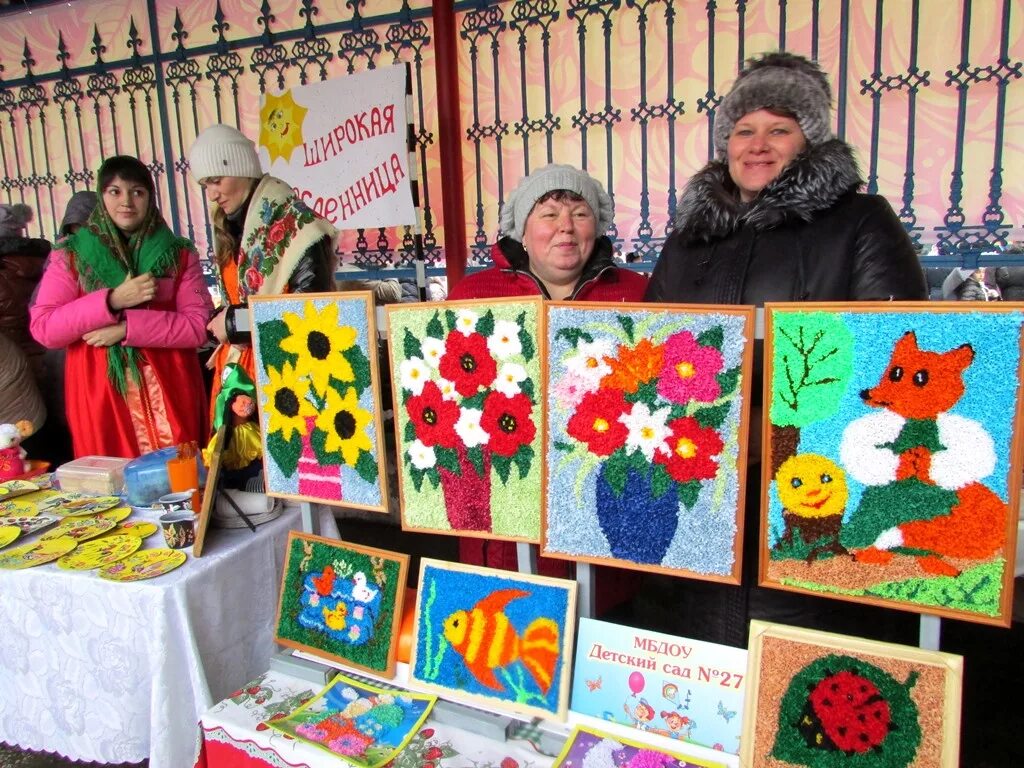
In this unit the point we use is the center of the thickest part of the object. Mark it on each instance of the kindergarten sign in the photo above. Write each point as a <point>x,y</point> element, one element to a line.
<point>341,144</point>
<point>673,686</point>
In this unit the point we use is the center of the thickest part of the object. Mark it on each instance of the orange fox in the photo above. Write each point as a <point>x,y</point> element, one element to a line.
<point>922,466</point>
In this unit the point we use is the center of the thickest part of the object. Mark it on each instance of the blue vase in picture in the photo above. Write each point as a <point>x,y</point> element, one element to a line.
<point>637,526</point>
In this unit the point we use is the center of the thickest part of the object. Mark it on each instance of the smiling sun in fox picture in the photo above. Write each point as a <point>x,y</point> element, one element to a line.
<point>281,125</point>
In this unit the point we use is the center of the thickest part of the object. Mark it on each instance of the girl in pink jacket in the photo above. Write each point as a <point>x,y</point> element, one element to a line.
<point>127,298</point>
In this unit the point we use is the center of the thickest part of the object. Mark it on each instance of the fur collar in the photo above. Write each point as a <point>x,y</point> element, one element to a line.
<point>710,208</point>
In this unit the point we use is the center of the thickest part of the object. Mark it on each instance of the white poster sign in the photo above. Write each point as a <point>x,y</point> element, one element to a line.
<point>341,144</point>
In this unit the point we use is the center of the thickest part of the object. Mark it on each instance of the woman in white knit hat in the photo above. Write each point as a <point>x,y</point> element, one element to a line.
<point>266,241</point>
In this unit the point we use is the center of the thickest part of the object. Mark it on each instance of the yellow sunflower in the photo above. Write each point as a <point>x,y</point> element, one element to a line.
<point>287,405</point>
<point>345,424</point>
<point>319,341</point>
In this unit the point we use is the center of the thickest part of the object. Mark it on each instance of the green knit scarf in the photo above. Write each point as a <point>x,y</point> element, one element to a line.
<point>104,257</point>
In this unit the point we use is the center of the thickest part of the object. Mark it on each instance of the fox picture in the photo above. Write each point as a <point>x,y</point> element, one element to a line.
<point>922,465</point>
<point>893,470</point>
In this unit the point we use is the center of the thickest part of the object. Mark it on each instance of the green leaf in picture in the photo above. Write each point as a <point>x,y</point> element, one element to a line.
<point>628,326</point>
<point>434,477</point>
<point>271,333</point>
<point>688,493</point>
<point>409,435</point>
<point>727,380</point>
<point>526,387</point>
<point>503,466</point>
<point>476,458</point>
<point>360,369</point>
<point>526,342</point>
<point>574,336</point>
<point>476,401</point>
<point>411,346</point>
<point>638,462</point>
<point>319,442</point>
<point>645,393</point>
<point>615,470</point>
<point>714,416</point>
<point>485,325</point>
<point>449,320</point>
<point>366,467</point>
<point>523,458</point>
<point>434,328</point>
<point>661,481</point>
<point>566,447</point>
<point>285,453</point>
<point>416,475</point>
<point>447,458</point>
<point>712,337</point>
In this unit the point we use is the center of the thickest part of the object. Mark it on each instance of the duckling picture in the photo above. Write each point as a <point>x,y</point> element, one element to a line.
<point>813,492</point>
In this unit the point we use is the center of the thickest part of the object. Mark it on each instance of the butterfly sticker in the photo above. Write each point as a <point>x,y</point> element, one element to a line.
<point>593,685</point>
<point>725,714</point>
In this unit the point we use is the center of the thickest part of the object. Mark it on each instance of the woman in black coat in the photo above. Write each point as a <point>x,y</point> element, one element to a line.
<point>776,216</point>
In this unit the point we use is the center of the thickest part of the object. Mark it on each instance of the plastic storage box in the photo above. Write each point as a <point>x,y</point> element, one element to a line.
<point>145,478</point>
<point>102,475</point>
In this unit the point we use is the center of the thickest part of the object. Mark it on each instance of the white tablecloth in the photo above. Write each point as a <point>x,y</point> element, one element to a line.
<point>120,672</point>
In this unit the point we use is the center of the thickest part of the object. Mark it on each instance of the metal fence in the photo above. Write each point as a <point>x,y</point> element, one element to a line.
<point>928,91</point>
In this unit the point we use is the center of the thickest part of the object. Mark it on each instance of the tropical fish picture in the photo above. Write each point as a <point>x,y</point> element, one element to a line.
<point>318,393</point>
<point>342,601</point>
<point>822,699</point>
<point>494,638</point>
<point>892,469</point>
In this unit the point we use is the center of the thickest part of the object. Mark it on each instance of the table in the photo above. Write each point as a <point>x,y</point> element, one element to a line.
<point>234,736</point>
<point>120,672</point>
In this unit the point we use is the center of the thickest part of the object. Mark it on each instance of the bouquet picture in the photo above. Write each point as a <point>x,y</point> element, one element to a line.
<point>316,373</point>
<point>468,414</point>
<point>646,434</point>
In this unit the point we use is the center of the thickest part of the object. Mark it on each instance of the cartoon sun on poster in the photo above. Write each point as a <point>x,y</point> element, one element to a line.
<point>281,125</point>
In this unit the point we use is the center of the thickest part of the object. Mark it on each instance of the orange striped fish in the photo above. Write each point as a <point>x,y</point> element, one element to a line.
<point>487,641</point>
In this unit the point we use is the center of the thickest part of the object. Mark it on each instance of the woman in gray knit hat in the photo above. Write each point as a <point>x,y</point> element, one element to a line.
<point>266,241</point>
<point>777,215</point>
<point>554,243</point>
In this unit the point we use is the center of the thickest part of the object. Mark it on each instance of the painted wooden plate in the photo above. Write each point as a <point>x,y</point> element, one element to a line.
<point>8,533</point>
<point>80,528</point>
<point>23,507</point>
<point>12,488</point>
<point>73,504</point>
<point>36,553</point>
<point>145,564</point>
<point>99,552</point>
<point>117,514</point>
<point>30,523</point>
<point>141,528</point>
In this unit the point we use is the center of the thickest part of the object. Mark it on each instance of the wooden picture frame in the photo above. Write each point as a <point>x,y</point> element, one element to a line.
<point>899,705</point>
<point>624,384</point>
<point>210,491</point>
<point>334,594</point>
<point>468,442</point>
<point>893,441</point>
<point>527,625</point>
<point>318,393</point>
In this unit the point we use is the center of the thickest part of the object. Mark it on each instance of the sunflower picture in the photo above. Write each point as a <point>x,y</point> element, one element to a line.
<point>316,377</point>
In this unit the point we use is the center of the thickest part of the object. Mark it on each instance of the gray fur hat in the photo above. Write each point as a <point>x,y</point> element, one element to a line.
<point>782,81</point>
<point>77,213</point>
<point>548,179</point>
<point>13,219</point>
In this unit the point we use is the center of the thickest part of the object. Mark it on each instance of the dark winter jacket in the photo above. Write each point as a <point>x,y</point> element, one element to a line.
<point>22,262</point>
<point>809,236</point>
<point>601,280</point>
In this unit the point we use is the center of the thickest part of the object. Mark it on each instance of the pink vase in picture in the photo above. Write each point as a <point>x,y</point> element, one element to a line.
<point>316,480</point>
<point>467,496</point>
